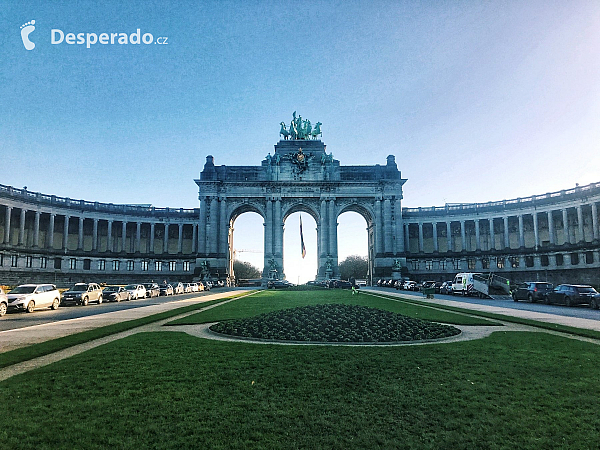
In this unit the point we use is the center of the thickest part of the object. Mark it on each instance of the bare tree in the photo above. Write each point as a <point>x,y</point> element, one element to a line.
<point>245,271</point>
<point>354,267</point>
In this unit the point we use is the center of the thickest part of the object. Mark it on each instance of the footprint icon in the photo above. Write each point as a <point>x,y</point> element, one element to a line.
<point>26,30</point>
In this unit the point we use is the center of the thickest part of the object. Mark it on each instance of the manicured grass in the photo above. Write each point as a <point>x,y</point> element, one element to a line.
<point>535,323</point>
<point>268,301</point>
<point>513,390</point>
<point>44,348</point>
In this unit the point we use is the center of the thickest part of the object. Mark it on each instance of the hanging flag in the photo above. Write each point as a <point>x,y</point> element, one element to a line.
<point>303,248</point>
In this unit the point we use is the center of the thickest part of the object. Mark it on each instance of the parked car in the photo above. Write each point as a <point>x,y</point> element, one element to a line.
<point>115,294</point>
<point>82,294</point>
<point>3,303</point>
<point>571,294</point>
<point>178,288</point>
<point>446,288</point>
<point>136,291</point>
<point>342,284</point>
<point>187,288</point>
<point>201,286</point>
<point>152,290</point>
<point>279,284</point>
<point>28,297</point>
<point>532,291</point>
<point>166,289</point>
<point>409,285</point>
<point>208,285</point>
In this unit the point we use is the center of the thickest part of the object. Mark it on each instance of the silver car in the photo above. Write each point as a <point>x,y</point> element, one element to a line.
<point>136,291</point>
<point>28,297</point>
<point>178,288</point>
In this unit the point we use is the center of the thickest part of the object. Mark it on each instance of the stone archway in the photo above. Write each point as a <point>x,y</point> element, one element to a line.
<point>301,176</point>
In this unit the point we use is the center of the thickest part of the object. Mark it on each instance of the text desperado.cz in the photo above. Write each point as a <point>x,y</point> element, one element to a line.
<point>57,37</point>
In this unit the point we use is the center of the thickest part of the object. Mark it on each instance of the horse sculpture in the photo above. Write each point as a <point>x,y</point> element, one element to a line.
<point>317,131</point>
<point>284,132</point>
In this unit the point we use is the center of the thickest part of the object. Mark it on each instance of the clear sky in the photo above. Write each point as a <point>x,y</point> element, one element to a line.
<point>478,101</point>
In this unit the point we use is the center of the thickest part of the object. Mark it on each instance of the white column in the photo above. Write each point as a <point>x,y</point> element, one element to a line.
<point>506,233</point>
<point>463,236</point>
<point>166,239</point>
<point>80,235</point>
<point>333,235</point>
<point>435,237</point>
<point>22,228</point>
<point>269,230</point>
<point>152,225</point>
<point>449,235</point>
<point>566,226</point>
<point>180,239</point>
<point>581,237</point>
<point>595,221</point>
<point>521,232</point>
<point>123,235</point>
<point>324,230</point>
<point>278,233</point>
<point>378,228</point>
<point>7,225</point>
<point>477,235</point>
<point>214,227</point>
<point>407,236</point>
<point>36,230</point>
<point>536,235</point>
<point>66,233</point>
<point>109,240</point>
<point>223,227</point>
<point>138,237</point>
<point>51,231</point>
<point>387,223</point>
<point>551,235</point>
<point>421,245</point>
<point>95,236</point>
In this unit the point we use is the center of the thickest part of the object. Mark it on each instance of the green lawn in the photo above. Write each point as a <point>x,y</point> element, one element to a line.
<point>267,301</point>
<point>167,389</point>
<point>44,348</point>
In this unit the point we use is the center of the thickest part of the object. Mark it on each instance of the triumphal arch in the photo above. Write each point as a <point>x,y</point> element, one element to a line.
<point>301,176</point>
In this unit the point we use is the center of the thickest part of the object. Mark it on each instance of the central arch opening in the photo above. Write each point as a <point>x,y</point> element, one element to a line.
<point>299,270</point>
<point>353,247</point>
<point>247,246</point>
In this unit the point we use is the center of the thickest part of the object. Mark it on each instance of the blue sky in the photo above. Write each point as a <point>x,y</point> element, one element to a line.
<point>478,100</point>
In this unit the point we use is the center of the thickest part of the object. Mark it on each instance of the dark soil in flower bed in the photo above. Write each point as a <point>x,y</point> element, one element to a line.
<point>335,323</point>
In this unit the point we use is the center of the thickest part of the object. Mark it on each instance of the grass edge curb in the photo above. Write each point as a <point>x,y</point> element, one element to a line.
<point>583,332</point>
<point>30,352</point>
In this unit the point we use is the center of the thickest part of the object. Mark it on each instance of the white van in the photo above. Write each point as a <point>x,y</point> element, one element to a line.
<point>463,283</point>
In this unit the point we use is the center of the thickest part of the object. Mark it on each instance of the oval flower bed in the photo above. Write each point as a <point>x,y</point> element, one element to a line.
<point>334,323</point>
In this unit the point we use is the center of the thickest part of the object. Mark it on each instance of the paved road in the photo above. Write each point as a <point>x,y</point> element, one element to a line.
<point>580,311</point>
<point>15,320</point>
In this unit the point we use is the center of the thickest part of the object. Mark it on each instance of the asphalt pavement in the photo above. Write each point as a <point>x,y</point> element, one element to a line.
<point>578,316</point>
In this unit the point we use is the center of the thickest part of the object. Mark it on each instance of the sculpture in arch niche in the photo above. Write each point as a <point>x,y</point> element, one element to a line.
<point>300,175</point>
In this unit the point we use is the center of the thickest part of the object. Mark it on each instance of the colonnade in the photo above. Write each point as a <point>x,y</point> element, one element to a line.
<point>528,229</point>
<point>115,230</point>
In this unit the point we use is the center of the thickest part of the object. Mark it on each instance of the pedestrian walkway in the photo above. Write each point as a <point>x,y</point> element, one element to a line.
<point>23,337</point>
<point>588,324</point>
